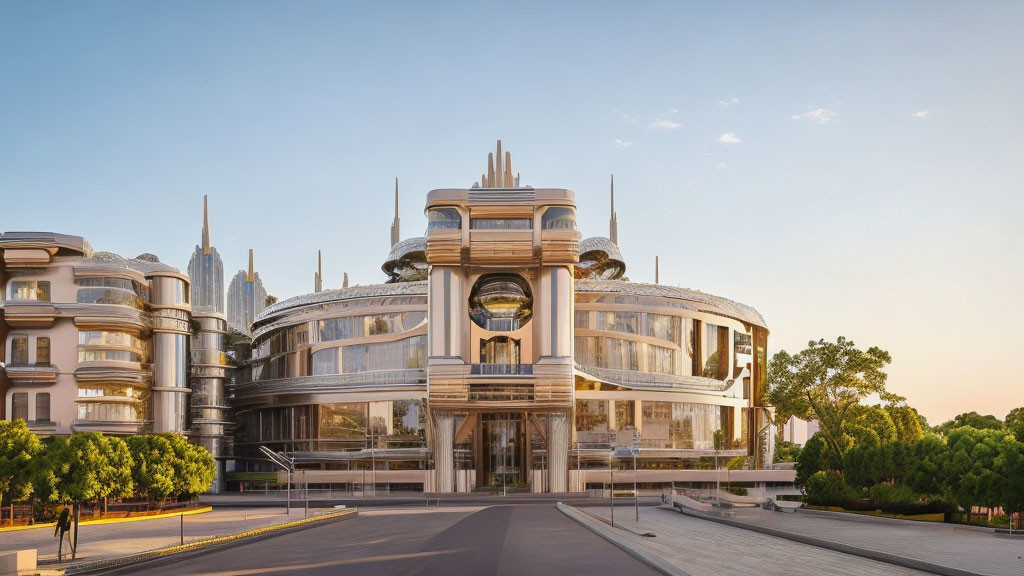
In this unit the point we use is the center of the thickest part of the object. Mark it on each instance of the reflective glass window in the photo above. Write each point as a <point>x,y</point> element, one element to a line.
<point>664,327</point>
<point>592,423</point>
<point>716,352</point>
<point>115,296</point>
<point>443,219</point>
<point>409,353</point>
<point>19,350</point>
<point>30,290</point>
<point>661,360</point>
<point>19,406</point>
<point>113,412</point>
<point>558,218</point>
<point>343,420</point>
<point>43,406</point>
<point>501,224</point>
<point>42,351</point>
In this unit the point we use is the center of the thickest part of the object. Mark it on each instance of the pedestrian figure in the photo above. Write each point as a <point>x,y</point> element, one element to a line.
<point>60,530</point>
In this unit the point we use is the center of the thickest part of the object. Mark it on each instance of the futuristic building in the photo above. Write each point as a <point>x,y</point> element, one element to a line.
<point>246,298</point>
<point>91,341</point>
<point>206,270</point>
<point>504,350</point>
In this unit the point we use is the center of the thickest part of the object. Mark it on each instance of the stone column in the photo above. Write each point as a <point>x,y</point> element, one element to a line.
<point>444,452</point>
<point>558,452</point>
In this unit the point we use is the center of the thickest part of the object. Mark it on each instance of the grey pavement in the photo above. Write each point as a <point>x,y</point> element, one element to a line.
<point>702,548</point>
<point>969,548</point>
<point>103,541</point>
<point>470,540</point>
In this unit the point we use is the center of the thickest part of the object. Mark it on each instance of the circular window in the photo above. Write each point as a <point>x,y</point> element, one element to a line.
<point>501,302</point>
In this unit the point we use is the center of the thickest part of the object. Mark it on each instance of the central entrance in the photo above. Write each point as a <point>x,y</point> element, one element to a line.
<point>503,449</point>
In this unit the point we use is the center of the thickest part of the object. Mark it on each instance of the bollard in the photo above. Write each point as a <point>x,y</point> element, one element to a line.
<point>182,516</point>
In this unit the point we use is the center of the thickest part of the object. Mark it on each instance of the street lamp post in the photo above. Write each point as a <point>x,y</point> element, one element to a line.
<point>636,493</point>
<point>611,490</point>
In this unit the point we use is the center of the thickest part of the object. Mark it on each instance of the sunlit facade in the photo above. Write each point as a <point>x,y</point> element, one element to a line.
<point>504,350</point>
<point>246,298</point>
<point>92,341</point>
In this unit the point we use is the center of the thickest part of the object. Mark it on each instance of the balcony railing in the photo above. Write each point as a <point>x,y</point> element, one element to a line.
<point>501,370</point>
<point>501,392</point>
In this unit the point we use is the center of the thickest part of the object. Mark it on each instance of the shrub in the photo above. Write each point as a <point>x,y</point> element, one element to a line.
<point>893,493</point>
<point>826,489</point>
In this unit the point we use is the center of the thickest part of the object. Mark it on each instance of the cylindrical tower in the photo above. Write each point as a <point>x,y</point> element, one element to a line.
<point>169,297</point>
<point>209,407</point>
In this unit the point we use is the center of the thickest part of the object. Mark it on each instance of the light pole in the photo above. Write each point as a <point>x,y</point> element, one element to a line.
<point>611,483</point>
<point>636,493</point>
<point>287,464</point>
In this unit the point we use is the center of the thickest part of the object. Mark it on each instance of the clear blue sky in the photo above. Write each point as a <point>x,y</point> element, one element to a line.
<point>848,169</point>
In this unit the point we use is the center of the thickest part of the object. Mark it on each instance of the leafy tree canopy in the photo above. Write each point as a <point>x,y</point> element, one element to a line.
<point>18,447</point>
<point>971,420</point>
<point>824,381</point>
<point>84,466</point>
<point>1015,423</point>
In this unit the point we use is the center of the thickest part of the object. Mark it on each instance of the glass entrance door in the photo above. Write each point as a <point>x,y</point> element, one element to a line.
<point>503,448</point>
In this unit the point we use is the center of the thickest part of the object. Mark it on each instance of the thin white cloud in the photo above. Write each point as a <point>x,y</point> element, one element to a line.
<point>674,110</point>
<point>730,138</point>
<point>819,115</point>
<point>623,143</point>
<point>729,102</point>
<point>720,166</point>
<point>921,114</point>
<point>660,124</point>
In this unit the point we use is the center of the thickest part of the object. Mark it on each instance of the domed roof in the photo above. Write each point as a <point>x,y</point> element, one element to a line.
<point>600,259</point>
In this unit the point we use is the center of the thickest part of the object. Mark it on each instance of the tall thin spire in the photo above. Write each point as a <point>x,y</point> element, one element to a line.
<point>613,222</point>
<point>318,278</point>
<point>499,170</point>
<point>206,226</point>
<point>656,270</point>
<point>396,235</point>
<point>250,276</point>
<point>344,283</point>
<point>490,170</point>
<point>508,171</point>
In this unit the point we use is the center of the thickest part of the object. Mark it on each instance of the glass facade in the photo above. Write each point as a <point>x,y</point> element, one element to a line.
<point>114,296</point>
<point>501,224</point>
<point>371,325</point>
<point>681,425</point>
<point>30,290</point>
<point>409,353</point>
<point>443,219</point>
<point>558,218</point>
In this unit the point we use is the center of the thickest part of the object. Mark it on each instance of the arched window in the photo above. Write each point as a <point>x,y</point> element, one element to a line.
<point>501,302</point>
<point>558,218</point>
<point>499,351</point>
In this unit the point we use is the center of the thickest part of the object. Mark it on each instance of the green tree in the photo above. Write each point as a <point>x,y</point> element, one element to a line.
<point>1009,465</point>
<point>814,457</point>
<point>1014,423</point>
<point>869,424</point>
<point>972,420</point>
<point>929,465</point>
<point>971,479</point>
<point>826,488</point>
<point>82,467</point>
<point>908,422</point>
<point>194,466</point>
<point>824,381</point>
<point>18,447</point>
<point>786,451</point>
<point>153,468</point>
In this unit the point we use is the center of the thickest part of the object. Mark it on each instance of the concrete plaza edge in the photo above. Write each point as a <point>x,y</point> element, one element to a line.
<point>605,532</point>
<point>180,552</point>
<point>885,557</point>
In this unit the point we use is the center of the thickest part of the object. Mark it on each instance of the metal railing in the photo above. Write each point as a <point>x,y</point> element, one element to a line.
<point>501,370</point>
<point>492,392</point>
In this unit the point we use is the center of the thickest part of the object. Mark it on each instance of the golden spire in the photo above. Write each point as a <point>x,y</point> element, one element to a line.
<point>250,276</point>
<point>499,170</point>
<point>490,170</point>
<point>206,226</point>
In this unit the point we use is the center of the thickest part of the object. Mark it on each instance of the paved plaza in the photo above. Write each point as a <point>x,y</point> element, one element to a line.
<point>103,541</point>
<point>685,540</point>
<point>465,540</point>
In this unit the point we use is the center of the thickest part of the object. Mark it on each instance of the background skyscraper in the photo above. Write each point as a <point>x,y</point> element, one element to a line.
<point>246,298</point>
<point>206,269</point>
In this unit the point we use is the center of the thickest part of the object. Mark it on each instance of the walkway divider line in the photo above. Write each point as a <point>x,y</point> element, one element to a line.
<point>608,533</point>
<point>122,561</point>
<point>169,514</point>
<point>876,555</point>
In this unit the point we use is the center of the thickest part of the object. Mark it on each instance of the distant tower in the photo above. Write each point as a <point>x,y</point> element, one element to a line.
<point>318,278</point>
<point>246,298</point>
<point>396,236</point>
<point>344,283</point>
<point>206,271</point>
<point>613,223</point>
<point>656,270</point>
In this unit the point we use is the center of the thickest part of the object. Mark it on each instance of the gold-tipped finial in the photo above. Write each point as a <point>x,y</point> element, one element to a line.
<point>250,277</point>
